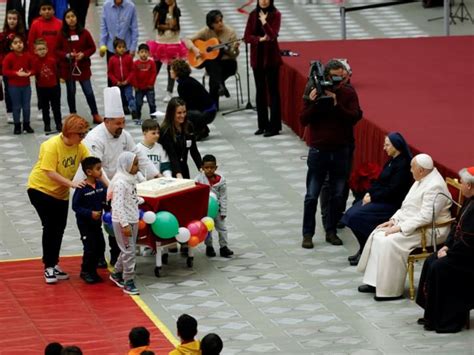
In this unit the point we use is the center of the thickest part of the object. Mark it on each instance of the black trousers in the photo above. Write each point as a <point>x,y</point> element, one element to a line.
<point>50,97</point>
<point>93,241</point>
<point>200,120</point>
<point>81,7</point>
<point>219,71</point>
<point>53,215</point>
<point>266,83</point>
<point>170,85</point>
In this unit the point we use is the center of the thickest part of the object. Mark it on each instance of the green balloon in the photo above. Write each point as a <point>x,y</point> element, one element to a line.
<point>213,207</point>
<point>109,229</point>
<point>166,225</point>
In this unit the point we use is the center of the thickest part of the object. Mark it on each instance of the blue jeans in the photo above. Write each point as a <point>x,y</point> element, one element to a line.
<point>335,164</point>
<point>127,93</point>
<point>88,93</point>
<point>150,97</point>
<point>21,99</point>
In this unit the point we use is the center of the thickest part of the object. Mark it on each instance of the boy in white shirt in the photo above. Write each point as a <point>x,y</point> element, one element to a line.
<point>154,150</point>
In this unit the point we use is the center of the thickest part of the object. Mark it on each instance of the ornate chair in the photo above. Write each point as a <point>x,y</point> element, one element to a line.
<point>421,253</point>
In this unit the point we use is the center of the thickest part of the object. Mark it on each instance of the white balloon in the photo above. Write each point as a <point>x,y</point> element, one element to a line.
<point>183,235</point>
<point>149,217</point>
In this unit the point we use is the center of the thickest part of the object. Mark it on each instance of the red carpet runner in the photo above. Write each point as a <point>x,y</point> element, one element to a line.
<point>97,318</point>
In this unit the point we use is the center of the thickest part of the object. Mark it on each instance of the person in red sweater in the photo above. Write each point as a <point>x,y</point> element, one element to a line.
<point>13,25</point>
<point>144,75</point>
<point>47,26</point>
<point>120,73</point>
<point>47,83</point>
<point>17,67</point>
<point>74,49</point>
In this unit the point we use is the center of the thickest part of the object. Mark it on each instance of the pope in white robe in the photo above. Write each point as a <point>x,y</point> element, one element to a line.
<point>384,258</point>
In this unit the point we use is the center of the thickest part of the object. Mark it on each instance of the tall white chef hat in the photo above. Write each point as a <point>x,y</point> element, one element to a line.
<point>424,161</point>
<point>113,103</point>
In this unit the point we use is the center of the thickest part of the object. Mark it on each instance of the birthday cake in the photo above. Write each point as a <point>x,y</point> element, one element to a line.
<point>163,186</point>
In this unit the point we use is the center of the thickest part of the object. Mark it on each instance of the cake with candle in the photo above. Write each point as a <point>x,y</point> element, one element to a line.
<point>163,186</point>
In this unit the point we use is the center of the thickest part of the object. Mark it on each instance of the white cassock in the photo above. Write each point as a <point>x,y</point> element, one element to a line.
<point>103,145</point>
<point>384,258</point>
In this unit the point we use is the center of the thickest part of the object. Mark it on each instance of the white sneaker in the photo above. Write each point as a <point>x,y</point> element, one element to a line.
<point>9,118</point>
<point>60,274</point>
<point>167,97</point>
<point>49,276</point>
<point>158,114</point>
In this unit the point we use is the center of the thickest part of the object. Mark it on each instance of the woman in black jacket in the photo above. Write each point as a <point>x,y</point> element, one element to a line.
<point>385,196</point>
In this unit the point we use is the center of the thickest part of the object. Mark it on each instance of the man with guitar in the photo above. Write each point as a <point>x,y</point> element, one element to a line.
<point>224,52</point>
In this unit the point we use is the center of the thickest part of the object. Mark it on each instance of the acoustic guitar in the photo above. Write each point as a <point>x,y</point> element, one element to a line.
<point>209,51</point>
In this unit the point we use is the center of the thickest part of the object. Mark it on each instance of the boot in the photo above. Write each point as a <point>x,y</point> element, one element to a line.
<point>17,128</point>
<point>27,128</point>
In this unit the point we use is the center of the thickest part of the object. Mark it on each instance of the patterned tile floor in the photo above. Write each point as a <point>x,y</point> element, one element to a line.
<point>273,296</point>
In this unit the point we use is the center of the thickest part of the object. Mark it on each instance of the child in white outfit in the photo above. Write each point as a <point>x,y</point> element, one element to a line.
<point>125,220</point>
<point>218,186</point>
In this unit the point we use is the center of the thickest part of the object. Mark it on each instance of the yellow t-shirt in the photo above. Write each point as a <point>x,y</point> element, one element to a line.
<point>55,155</point>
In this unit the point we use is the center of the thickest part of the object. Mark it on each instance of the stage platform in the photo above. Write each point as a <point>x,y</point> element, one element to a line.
<point>420,87</point>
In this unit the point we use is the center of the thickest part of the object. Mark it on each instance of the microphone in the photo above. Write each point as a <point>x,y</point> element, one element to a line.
<point>433,236</point>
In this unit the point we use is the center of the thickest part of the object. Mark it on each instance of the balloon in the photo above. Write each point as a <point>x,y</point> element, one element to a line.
<point>193,241</point>
<point>193,227</point>
<point>198,229</point>
<point>107,218</point>
<point>108,228</point>
<point>213,207</point>
<point>183,235</point>
<point>141,225</point>
<point>208,222</point>
<point>166,225</point>
<point>149,217</point>
<point>140,214</point>
<point>213,195</point>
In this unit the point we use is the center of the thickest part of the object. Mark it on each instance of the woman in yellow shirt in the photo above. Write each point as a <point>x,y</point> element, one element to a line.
<point>48,188</point>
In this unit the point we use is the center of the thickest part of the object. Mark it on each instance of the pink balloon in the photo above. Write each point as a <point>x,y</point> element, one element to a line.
<point>194,227</point>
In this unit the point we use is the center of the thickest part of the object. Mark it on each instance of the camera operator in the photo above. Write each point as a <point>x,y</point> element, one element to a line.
<point>329,116</point>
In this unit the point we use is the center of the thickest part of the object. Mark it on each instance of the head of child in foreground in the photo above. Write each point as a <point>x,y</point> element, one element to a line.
<point>143,51</point>
<point>41,48</point>
<point>92,167</point>
<point>17,44</point>
<point>151,131</point>
<point>187,327</point>
<point>46,10</point>
<point>139,336</point>
<point>120,46</point>
<point>127,163</point>
<point>209,165</point>
<point>211,344</point>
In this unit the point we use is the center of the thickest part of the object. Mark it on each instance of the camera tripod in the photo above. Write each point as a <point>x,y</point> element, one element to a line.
<point>462,8</point>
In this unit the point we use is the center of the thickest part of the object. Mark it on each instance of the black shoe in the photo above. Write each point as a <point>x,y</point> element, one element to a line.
<point>87,277</point>
<point>421,321</point>
<point>17,128</point>
<point>333,239</point>
<point>382,299</point>
<point>271,133</point>
<point>428,327</point>
<point>210,252</point>
<point>225,252</point>
<point>354,262</point>
<point>134,115</point>
<point>223,91</point>
<point>355,256</point>
<point>307,242</point>
<point>47,128</point>
<point>102,263</point>
<point>366,289</point>
<point>59,127</point>
<point>126,110</point>
<point>27,128</point>
<point>96,277</point>
<point>259,132</point>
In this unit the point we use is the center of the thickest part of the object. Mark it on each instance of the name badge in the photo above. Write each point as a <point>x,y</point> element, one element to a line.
<point>189,143</point>
<point>74,38</point>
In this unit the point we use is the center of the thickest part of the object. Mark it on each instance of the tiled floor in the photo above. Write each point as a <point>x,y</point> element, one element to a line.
<point>273,296</point>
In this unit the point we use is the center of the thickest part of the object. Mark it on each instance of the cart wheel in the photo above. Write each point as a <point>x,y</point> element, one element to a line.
<point>190,261</point>
<point>157,271</point>
<point>164,259</point>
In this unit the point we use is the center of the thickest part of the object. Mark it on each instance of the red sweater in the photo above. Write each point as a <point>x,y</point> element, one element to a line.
<point>120,68</point>
<point>48,30</point>
<point>46,70</point>
<point>14,62</point>
<point>144,74</point>
<point>75,43</point>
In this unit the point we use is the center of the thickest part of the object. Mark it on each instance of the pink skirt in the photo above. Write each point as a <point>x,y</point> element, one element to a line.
<point>167,52</point>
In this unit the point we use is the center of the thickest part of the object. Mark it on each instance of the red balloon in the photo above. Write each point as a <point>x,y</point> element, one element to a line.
<point>141,225</point>
<point>193,241</point>
<point>202,231</point>
<point>193,227</point>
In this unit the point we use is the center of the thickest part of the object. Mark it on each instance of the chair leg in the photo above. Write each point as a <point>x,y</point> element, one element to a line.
<point>237,79</point>
<point>240,90</point>
<point>411,279</point>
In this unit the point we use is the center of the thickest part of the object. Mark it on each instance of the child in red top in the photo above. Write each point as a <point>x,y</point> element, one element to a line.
<point>75,47</point>
<point>47,83</point>
<point>13,25</point>
<point>120,73</point>
<point>17,67</point>
<point>46,26</point>
<point>144,75</point>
